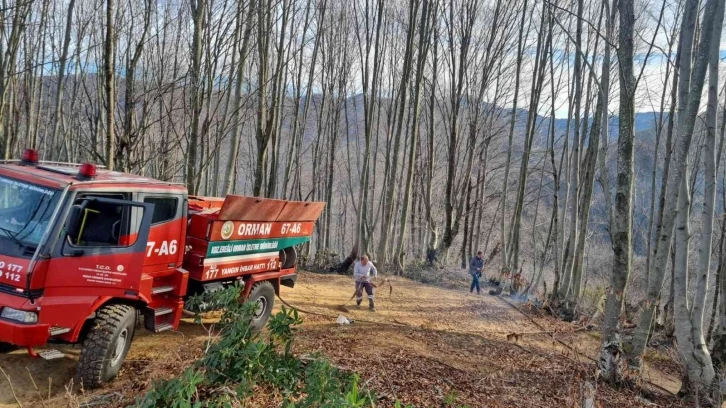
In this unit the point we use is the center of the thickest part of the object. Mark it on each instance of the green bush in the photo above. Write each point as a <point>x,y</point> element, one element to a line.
<point>242,362</point>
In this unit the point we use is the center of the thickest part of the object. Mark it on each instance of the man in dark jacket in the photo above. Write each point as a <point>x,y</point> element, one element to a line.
<point>475,267</point>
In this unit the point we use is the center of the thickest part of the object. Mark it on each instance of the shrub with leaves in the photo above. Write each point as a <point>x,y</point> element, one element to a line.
<point>241,362</point>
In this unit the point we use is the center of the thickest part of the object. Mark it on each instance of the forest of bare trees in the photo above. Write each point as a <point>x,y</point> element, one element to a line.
<point>584,139</point>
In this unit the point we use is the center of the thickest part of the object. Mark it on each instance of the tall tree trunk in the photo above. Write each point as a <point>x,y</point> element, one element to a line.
<point>57,142</point>
<point>536,92</point>
<point>572,237</point>
<point>482,183</point>
<point>719,339</point>
<point>292,148</point>
<point>387,227</point>
<point>278,97</point>
<point>230,179</point>
<point>667,211</point>
<point>433,237</point>
<point>709,198</point>
<point>454,189</point>
<point>109,77</point>
<point>555,187</point>
<point>262,134</point>
<point>719,312</point>
<point>465,240</point>
<point>658,133</point>
<point>370,86</point>
<point>198,11</point>
<point>689,319</point>
<point>126,145</point>
<point>690,86</point>
<point>590,167</point>
<point>507,163</point>
<point>308,99</point>
<point>611,351</point>
<point>717,291</point>
<point>19,15</point>
<point>423,45</point>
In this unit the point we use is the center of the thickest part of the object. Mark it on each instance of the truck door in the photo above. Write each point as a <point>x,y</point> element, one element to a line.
<point>100,253</point>
<point>165,246</point>
<point>101,246</point>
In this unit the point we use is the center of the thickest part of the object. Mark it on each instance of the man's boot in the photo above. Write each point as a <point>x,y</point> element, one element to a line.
<point>357,302</point>
<point>371,306</point>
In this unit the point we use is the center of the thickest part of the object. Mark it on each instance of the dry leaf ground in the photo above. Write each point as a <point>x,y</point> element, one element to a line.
<point>426,346</point>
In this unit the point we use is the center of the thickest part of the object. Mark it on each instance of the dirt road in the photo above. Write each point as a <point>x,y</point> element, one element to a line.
<point>425,345</point>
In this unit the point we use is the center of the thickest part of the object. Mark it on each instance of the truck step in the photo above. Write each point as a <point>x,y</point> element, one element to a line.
<point>57,331</point>
<point>161,289</point>
<point>162,311</point>
<point>51,354</point>
<point>163,327</point>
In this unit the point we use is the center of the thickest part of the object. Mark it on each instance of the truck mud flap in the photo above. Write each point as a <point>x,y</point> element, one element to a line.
<point>288,280</point>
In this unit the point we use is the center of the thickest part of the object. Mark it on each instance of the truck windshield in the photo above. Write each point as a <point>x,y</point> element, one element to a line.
<point>25,213</point>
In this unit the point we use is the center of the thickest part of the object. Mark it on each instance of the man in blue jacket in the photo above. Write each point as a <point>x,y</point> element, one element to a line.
<point>475,267</point>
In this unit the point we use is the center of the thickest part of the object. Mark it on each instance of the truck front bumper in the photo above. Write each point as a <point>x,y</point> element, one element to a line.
<point>23,335</point>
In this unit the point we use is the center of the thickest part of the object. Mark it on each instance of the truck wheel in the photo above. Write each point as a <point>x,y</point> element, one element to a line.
<point>106,345</point>
<point>263,296</point>
<point>290,257</point>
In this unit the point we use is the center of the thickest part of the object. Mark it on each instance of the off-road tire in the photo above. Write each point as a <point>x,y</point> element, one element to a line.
<point>102,355</point>
<point>288,256</point>
<point>264,293</point>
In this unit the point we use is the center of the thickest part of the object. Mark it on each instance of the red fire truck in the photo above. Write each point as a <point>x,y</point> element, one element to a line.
<point>86,252</point>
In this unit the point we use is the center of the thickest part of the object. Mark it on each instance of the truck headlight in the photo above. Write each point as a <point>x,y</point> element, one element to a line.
<point>19,315</point>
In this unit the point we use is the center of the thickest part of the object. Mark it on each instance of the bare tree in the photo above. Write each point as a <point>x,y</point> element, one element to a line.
<point>109,78</point>
<point>535,95</point>
<point>425,29</point>
<point>611,351</point>
<point>459,29</point>
<point>132,129</point>
<point>392,166</point>
<point>677,203</point>
<point>513,118</point>
<point>369,44</point>
<point>689,317</point>
<point>198,14</point>
<point>10,42</point>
